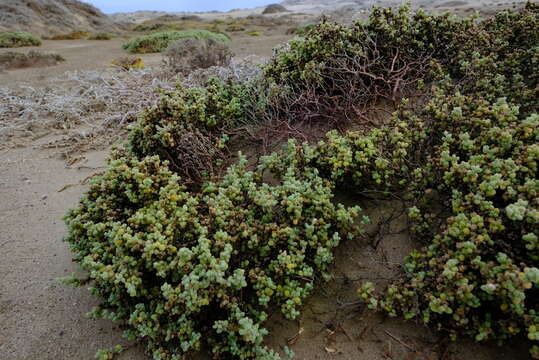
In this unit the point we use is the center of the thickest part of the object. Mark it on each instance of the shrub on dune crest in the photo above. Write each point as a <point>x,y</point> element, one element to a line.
<point>159,41</point>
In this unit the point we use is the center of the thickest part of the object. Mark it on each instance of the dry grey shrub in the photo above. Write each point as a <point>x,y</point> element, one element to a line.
<point>186,55</point>
<point>17,60</point>
<point>101,103</point>
<point>238,70</point>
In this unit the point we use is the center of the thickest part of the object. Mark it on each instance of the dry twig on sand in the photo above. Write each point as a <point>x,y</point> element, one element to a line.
<point>89,105</point>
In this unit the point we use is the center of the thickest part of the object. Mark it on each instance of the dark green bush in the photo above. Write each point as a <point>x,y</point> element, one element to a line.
<point>13,39</point>
<point>152,27</point>
<point>335,72</point>
<point>159,41</point>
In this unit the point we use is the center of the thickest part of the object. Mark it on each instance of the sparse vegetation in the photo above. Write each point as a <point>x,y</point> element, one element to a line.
<point>187,54</point>
<point>144,27</point>
<point>159,41</point>
<point>74,35</point>
<point>17,60</point>
<point>189,252</point>
<point>254,33</point>
<point>128,62</point>
<point>101,36</point>
<point>15,39</point>
<point>274,9</point>
<point>235,28</point>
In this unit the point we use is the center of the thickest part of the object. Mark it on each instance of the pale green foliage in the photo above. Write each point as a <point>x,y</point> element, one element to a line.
<point>184,265</point>
<point>185,268</point>
<point>13,39</point>
<point>159,41</point>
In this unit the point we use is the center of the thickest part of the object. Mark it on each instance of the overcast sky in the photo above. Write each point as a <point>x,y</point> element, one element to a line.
<point>112,6</point>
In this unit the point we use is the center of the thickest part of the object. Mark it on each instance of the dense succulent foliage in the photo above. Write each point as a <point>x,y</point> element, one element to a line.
<point>186,268</point>
<point>478,274</point>
<point>13,39</point>
<point>179,246</point>
<point>188,128</point>
<point>159,41</point>
<point>334,71</point>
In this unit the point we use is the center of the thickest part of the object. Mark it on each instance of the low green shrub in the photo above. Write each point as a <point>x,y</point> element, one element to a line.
<point>159,41</point>
<point>467,164</point>
<point>74,35</point>
<point>14,39</point>
<point>184,269</point>
<point>186,128</point>
<point>176,249</point>
<point>101,36</point>
<point>151,27</point>
<point>274,9</point>
<point>335,71</point>
<point>475,194</point>
<point>478,275</point>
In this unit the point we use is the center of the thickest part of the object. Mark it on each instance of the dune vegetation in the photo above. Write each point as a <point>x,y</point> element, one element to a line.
<point>14,39</point>
<point>159,41</point>
<point>190,246</point>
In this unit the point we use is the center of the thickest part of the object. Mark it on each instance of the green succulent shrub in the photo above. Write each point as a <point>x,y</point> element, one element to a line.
<point>188,127</point>
<point>475,203</point>
<point>14,39</point>
<point>159,41</point>
<point>184,268</point>
<point>178,245</point>
<point>335,70</point>
<point>467,165</point>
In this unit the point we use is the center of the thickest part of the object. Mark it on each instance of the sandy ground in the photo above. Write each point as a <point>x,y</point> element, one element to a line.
<point>42,319</point>
<point>94,55</point>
